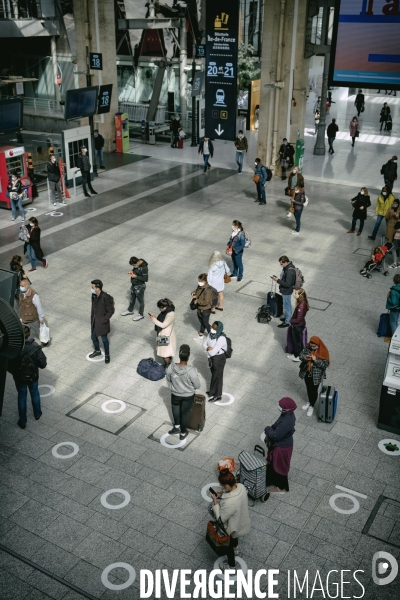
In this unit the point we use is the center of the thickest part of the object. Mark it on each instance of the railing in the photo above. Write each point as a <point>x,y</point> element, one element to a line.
<point>137,112</point>
<point>43,107</point>
<point>20,9</point>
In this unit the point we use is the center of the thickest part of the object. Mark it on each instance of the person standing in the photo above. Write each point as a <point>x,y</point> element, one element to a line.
<point>360,102</point>
<point>99,146</point>
<point>260,178</point>
<point>183,381</point>
<point>392,217</point>
<point>296,180</point>
<point>360,203</point>
<point>237,243</point>
<point>175,126</point>
<point>286,155</point>
<point>354,128</point>
<point>317,118</point>
<point>14,189</point>
<point>317,105</point>
<point>102,311</point>
<point>202,298</point>
<point>298,323</point>
<point>389,172</point>
<point>314,362</point>
<point>298,203</point>
<point>279,440</point>
<point>30,307</point>
<point>385,112</point>
<point>383,203</point>
<point>34,248</point>
<point>16,266</point>
<point>217,270</point>
<point>331,132</point>
<point>164,326</point>
<point>139,276</point>
<point>206,148</point>
<point>216,346</point>
<point>286,283</point>
<point>393,303</point>
<point>54,175</point>
<point>241,148</point>
<point>85,166</point>
<point>25,370</point>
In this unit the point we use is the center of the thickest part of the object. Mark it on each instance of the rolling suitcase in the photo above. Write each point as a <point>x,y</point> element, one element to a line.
<point>328,400</point>
<point>180,144</point>
<point>384,326</point>
<point>275,302</point>
<point>198,413</point>
<point>289,348</point>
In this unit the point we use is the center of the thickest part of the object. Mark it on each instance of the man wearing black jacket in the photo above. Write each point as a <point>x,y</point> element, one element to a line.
<point>25,370</point>
<point>286,282</point>
<point>85,166</point>
<point>286,154</point>
<point>389,172</point>
<point>53,175</point>
<point>98,146</point>
<point>331,131</point>
<point>139,276</point>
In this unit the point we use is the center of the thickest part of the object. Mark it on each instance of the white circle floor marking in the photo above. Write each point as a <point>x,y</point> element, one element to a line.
<point>101,358</point>
<point>125,502</point>
<point>237,559</point>
<point>342,511</point>
<point>122,406</point>
<point>171,446</point>
<point>383,443</point>
<point>56,213</point>
<point>51,389</point>
<point>230,401</point>
<point>121,586</point>
<point>204,490</point>
<point>75,450</point>
<point>31,209</point>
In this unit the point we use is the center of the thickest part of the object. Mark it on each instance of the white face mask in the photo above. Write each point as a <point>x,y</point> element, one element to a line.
<point>294,172</point>
<point>234,228</point>
<point>240,136</point>
<point>256,164</point>
<point>280,408</point>
<point>362,193</point>
<point>395,161</point>
<point>201,283</point>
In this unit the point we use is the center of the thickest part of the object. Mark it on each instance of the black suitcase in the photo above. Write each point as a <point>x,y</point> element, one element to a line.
<point>198,413</point>
<point>328,401</point>
<point>275,302</point>
<point>389,126</point>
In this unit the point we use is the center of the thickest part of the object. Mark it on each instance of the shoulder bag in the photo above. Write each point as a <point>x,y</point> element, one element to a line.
<point>227,278</point>
<point>256,178</point>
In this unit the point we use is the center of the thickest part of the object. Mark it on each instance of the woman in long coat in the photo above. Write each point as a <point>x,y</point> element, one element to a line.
<point>34,248</point>
<point>360,203</point>
<point>354,126</point>
<point>165,327</point>
<point>392,216</point>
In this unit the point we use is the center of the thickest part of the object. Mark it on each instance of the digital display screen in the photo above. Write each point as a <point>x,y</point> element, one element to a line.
<point>81,103</point>
<point>10,115</point>
<point>365,44</point>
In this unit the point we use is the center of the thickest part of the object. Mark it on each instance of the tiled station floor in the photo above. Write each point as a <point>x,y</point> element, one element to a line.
<point>56,518</point>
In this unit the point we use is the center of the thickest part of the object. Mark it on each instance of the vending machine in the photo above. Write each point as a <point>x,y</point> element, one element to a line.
<point>122,132</point>
<point>13,160</point>
<point>389,405</point>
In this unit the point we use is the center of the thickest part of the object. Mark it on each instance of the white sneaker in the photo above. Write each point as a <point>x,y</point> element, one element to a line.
<point>296,359</point>
<point>289,215</point>
<point>224,566</point>
<point>310,411</point>
<point>290,356</point>
<point>138,318</point>
<point>306,406</point>
<point>294,232</point>
<point>198,338</point>
<point>126,312</point>
<point>54,203</point>
<point>63,203</point>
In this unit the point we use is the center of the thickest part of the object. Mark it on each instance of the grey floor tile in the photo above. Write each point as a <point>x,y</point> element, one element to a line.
<point>34,516</point>
<point>21,541</point>
<point>184,512</point>
<point>140,542</point>
<point>14,566</point>
<point>10,501</point>
<point>55,559</point>
<point>179,537</point>
<point>79,490</point>
<point>46,585</point>
<point>150,496</point>
<point>88,470</point>
<point>12,587</point>
<point>107,526</point>
<point>86,577</point>
<point>144,521</point>
<point>99,550</point>
<point>65,533</point>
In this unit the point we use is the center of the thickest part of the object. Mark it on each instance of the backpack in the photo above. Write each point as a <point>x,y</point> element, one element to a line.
<point>269,174</point>
<point>264,314</point>
<point>229,350</point>
<point>247,242</point>
<point>299,278</point>
<point>27,370</point>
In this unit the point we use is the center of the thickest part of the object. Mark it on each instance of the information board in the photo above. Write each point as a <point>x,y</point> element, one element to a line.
<point>80,103</point>
<point>222,24</point>
<point>96,61</point>
<point>365,44</point>
<point>104,101</point>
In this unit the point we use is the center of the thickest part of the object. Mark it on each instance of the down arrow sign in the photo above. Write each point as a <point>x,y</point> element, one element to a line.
<point>219,130</point>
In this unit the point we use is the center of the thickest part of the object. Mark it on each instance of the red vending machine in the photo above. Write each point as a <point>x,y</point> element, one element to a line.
<point>13,159</point>
<point>122,132</point>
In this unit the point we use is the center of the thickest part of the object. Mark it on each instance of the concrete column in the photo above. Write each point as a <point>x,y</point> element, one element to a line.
<point>55,67</point>
<point>182,69</point>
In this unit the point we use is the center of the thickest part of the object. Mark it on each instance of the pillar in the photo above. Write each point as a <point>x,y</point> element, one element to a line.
<point>55,67</point>
<point>182,69</point>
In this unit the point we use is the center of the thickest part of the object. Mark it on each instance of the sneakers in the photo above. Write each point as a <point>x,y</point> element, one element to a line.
<point>88,195</point>
<point>54,203</point>
<point>95,353</point>
<point>310,411</point>
<point>224,566</point>
<point>370,237</point>
<point>290,356</point>
<point>174,430</point>
<point>12,218</point>
<point>45,263</point>
<point>289,214</point>
<point>126,312</point>
<point>294,232</point>
<point>239,278</point>
<point>296,359</point>
<point>393,266</point>
<point>93,192</point>
<point>63,203</point>
<point>183,436</point>
<point>306,406</point>
<point>22,425</point>
<point>198,338</point>
<point>351,231</point>
<point>283,325</point>
<point>138,318</point>
<point>30,270</point>
<point>107,359</point>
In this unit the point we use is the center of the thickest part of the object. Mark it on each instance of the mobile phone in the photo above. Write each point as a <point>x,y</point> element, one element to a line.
<point>272,276</point>
<point>149,314</point>
<point>212,491</point>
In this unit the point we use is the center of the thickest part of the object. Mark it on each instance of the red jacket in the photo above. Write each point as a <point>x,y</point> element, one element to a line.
<point>299,314</point>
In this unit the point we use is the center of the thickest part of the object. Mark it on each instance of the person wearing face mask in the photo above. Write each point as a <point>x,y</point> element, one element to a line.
<point>383,203</point>
<point>85,166</point>
<point>354,128</point>
<point>389,172</point>
<point>216,346</point>
<point>139,276</point>
<point>299,199</point>
<point>218,272</point>
<point>175,125</point>
<point>236,244</point>
<point>392,217</point>
<point>164,326</point>
<point>14,190</point>
<point>203,299</point>
<point>298,323</point>
<point>98,146</point>
<point>360,203</point>
<point>241,147</point>
<point>16,266</point>
<point>206,148</point>
<point>296,179</point>
<point>33,247</point>
<point>53,175</point>
<point>314,362</point>
<point>260,179</point>
<point>286,155</point>
<point>30,308</point>
<point>384,114</point>
<point>102,311</point>
<point>317,118</point>
<point>279,440</point>
<point>286,281</point>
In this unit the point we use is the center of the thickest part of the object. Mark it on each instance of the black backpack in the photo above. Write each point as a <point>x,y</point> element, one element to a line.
<point>229,350</point>
<point>27,370</point>
<point>264,314</point>
<point>269,174</point>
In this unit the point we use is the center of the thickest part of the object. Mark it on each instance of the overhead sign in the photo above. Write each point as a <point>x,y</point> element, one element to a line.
<point>96,61</point>
<point>222,24</point>
<point>197,84</point>
<point>104,101</point>
<point>365,44</point>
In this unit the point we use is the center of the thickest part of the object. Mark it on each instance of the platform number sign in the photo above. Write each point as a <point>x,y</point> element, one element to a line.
<point>96,61</point>
<point>104,100</point>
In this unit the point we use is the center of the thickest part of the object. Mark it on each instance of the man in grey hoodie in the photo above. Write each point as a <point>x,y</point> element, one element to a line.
<point>183,381</point>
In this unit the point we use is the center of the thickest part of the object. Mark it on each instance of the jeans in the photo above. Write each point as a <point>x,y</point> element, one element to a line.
<point>239,159</point>
<point>204,318</point>
<point>377,225</point>
<point>237,260</point>
<point>297,333</point>
<point>394,320</point>
<point>86,181</point>
<point>14,204</point>
<point>217,374</point>
<point>330,142</point>
<point>261,192</point>
<point>55,191</point>
<point>181,407</point>
<point>96,344</point>
<point>22,389</point>
<point>297,216</point>
<point>99,154</point>
<point>32,256</point>
<point>233,543</point>
<point>137,293</point>
<point>396,251</point>
<point>287,307</point>
<point>206,158</point>
<point>354,223</point>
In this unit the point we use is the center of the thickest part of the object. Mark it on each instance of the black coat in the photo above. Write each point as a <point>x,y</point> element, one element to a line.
<point>34,241</point>
<point>331,131</point>
<point>38,357</point>
<point>141,272</point>
<point>281,432</point>
<point>53,171</point>
<point>210,147</point>
<point>360,99</point>
<point>99,142</point>
<point>287,152</point>
<point>288,280</point>
<point>16,188</point>
<point>357,202</point>
<point>102,311</point>
<point>385,112</point>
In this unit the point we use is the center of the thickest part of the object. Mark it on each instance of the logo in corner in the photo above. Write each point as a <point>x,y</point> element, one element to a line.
<point>380,568</point>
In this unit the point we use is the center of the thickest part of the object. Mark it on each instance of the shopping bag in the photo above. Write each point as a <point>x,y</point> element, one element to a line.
<point>44,333</point>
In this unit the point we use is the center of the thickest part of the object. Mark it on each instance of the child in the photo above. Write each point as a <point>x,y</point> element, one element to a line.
<point>396,246</point>
<point>377,254</point>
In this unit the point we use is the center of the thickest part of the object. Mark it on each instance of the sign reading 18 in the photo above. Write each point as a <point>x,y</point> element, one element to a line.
<point>105,99</point>
<point>214,71</point>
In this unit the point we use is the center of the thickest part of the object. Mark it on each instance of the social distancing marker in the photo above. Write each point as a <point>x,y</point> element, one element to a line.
<point>51,389</point>
<point>31,209</point>
<point>75,450</point>
<point>125,502</point>
<point>238,559</point>
<point>122,406</point>
<point>391,447</point>
<point>350,495</point>
<point>54,213</point>
<point>230,401</point>
<point>204,490</point>
<point>120,586</point>
<point>99,359</point>
<point>164,443</point>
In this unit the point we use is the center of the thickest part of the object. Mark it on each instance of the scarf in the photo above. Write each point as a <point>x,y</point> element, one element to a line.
<point>321,352</point>
<point>162,315</point>
<point>219,332</point>
<point>287,405</point>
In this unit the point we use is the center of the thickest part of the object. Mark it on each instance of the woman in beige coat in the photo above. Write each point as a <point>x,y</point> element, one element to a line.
<point>392,216</point>
<point>165,327</point>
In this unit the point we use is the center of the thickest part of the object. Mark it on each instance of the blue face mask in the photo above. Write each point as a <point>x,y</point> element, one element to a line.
<point>92,290</point>
<point>22,288</point>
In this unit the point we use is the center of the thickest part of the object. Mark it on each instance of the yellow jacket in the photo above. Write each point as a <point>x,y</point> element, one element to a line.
<point>382,205</point>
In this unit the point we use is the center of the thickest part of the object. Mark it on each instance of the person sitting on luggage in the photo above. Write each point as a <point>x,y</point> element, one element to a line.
<point>378,253</point>
<point>393,303</point>
<point>314,362</point>
<point>183,381</point>
<point>298,323</point>
<point>216,346</point>
<point>232,507</point>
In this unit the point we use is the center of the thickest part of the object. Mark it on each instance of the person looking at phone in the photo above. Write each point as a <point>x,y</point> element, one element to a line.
<point>139,275</point>
<point>314,362</point>
<point>233,509</point>
<point>286,283</point>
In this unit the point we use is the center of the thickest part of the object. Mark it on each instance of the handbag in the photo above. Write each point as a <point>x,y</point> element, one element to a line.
<point>44,333</point>
<point>217,533</point>
<point>163,340</point>
<point>227,278</point>
<point>228,251</point>
<point>256,178</point>
<point>306,201</point>
<point>192,304</point>
<point>23,234</point>
<point>357,133</point>
<point>287,191</point>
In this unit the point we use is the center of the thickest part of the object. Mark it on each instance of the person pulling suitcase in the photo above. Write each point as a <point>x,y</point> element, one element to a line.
<point>314,362</point>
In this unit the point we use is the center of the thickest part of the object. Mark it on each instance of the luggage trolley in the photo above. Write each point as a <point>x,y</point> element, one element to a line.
<point>253,472</point>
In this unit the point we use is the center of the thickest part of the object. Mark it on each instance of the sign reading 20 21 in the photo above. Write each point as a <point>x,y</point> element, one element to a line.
<point>222,25</point>
<point>365,44</point>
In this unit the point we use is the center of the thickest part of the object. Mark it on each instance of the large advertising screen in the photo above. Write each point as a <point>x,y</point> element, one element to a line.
<point>11,112</point>
<point>80,103</point>
<point>365,44</point>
